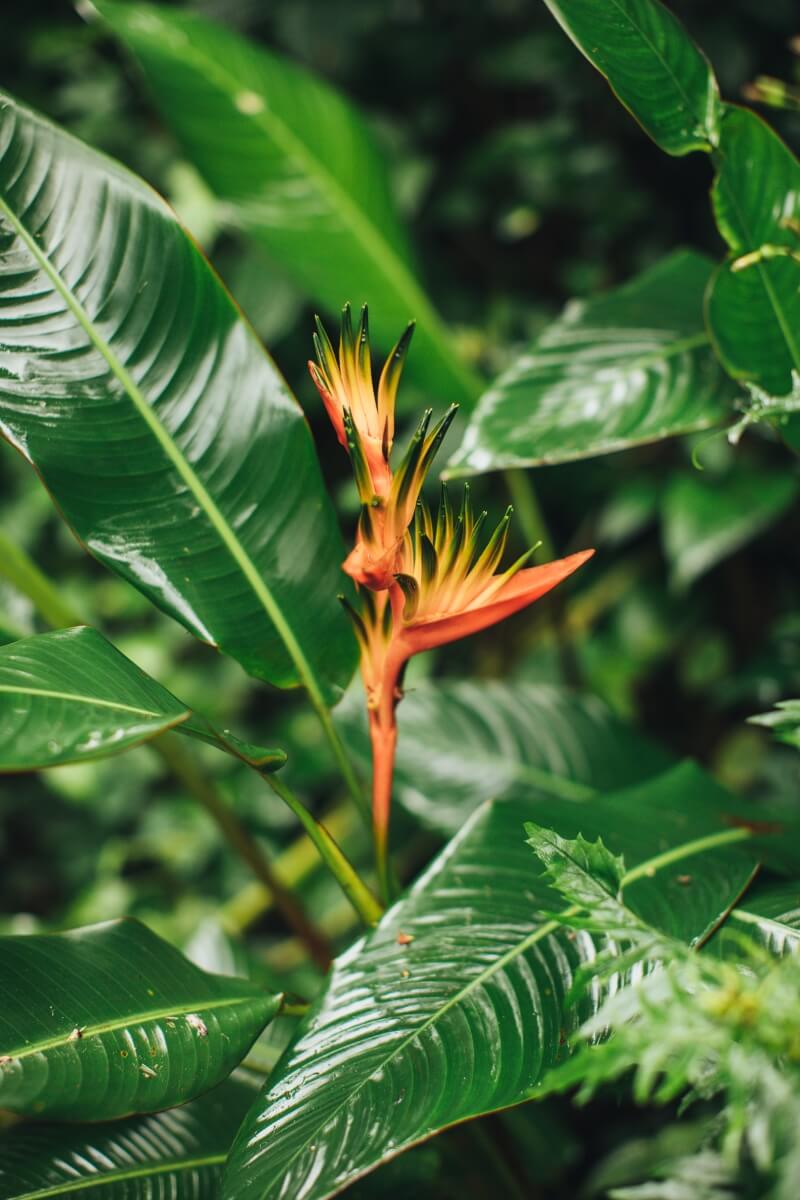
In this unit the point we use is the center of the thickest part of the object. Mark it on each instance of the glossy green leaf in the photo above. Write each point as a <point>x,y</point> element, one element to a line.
<point>770,916</point>
<point>70,696</point>
<point>164,433</point>
<point>111,1020</point>
<point>652,65</point>
<point>462,742</point>
<point>455,1004</point>
<point>176,1154</point>
<point>753,303</point>
<point>783,720</point>
<point>296,168</point>
<point>632,366</point>
<point>707,519</point>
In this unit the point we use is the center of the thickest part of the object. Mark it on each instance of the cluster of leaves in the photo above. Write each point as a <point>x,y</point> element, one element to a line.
<point>175,451</point>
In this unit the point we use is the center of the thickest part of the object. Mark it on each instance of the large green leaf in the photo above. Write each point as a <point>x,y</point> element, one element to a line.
<point>111,1020</point>
<point>69,695</point>
<point>454,1005</point>
<point>653,66</point>
<point>177,1154</point>
<point>754,312</point>
<point>706,519</point>
<point>297,169</point>
<point>771,916</point>
<point>164,433</point>
<point>632,366</point>
<point>462,742</point>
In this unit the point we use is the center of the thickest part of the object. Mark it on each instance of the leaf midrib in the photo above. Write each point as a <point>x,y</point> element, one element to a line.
<point>101,1028</point>
<point>92,701</point>
<point>363,229</point>
<point>184,469</point>
<point>687,850</point>
<point>146,1171</point>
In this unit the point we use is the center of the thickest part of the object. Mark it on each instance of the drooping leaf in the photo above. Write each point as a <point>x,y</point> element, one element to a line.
<point>753,307</point>
<point>632,366</point>
<point>178,1153</point>
<point>706,519</point>
<point>652,65</point>
<point>70,696</point>
<point>463,742</point>
<point>110,1020</point>
<point>454,1005</point>
<point>164,433</point>
<point>296,168</point>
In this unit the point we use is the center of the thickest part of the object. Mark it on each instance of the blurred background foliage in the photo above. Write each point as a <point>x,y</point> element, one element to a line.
<point>524,183</point>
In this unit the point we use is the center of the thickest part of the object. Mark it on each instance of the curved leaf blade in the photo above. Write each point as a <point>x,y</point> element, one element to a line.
<point>166,436</point>
<point>753,311</point>
<point>462,742</point>
<point>296,168</point>
<point>652,65</point>
<point>771,917</point>
<point>178,1153</point>
<point>110,1020</point>
<point>454,1005</point>
<point>69,696</point>
<point>627,368</point>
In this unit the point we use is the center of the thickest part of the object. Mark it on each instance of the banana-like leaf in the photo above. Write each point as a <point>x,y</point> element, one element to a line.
<point>110,1020</point>
<point>295,167</point>
<point>462,742</point>
<point>771,916</point>
<point>177,1154</point>
<point>70,696</point>
<point>705,520</point>
<point>455,1004</point>
<point>165,434</point>
<point>652,65</point>
<point>753,303</point>
<point>632,366</point>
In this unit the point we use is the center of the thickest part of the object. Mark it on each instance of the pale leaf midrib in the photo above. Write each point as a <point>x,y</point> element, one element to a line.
<point>102,1028</point>
<point>688,849</point>
<point>184,469</point>
<point>92,701</point>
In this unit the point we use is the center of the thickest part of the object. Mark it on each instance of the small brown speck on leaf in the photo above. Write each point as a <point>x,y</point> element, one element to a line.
<point>404,939</point>
<point>684,880</point>
<point>148,1072</point>
<point>76,1034</point>
<point>5,1059</point>
<point>197,1024</point>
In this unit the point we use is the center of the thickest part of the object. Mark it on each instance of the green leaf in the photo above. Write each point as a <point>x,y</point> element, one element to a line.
<point>462,742</point>
<point>296,168</point>
<point>652,65</point>
<point>586,873</point>
<point>111,1020</point>
<point>784,721</point>
<point>770,916</point>
<point>164,433</point>
<point>177,1153</point>
<point>706,520</point>
<point>632,366</point>
<point>454,1005</point>
<point>70,696</point>
<point>753,311</point>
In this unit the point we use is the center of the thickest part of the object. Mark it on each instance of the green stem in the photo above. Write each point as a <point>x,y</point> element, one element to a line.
<point>527,507</point>
<point>25,576</point>
<point>345,874</point>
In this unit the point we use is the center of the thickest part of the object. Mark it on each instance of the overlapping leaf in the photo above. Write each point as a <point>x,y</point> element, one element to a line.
<point>652,64</point>
<point>633,366</point>
<point>296,167</point>
<point>454,1005</point>
<point>165,434</point>
<point>771,916</point>
<point>462,742</point>
<point>754,310</point>
<point>177,1153</point>
<point>110,1020</point>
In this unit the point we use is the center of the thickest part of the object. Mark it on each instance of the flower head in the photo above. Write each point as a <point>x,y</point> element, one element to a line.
<point>364,424</point>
